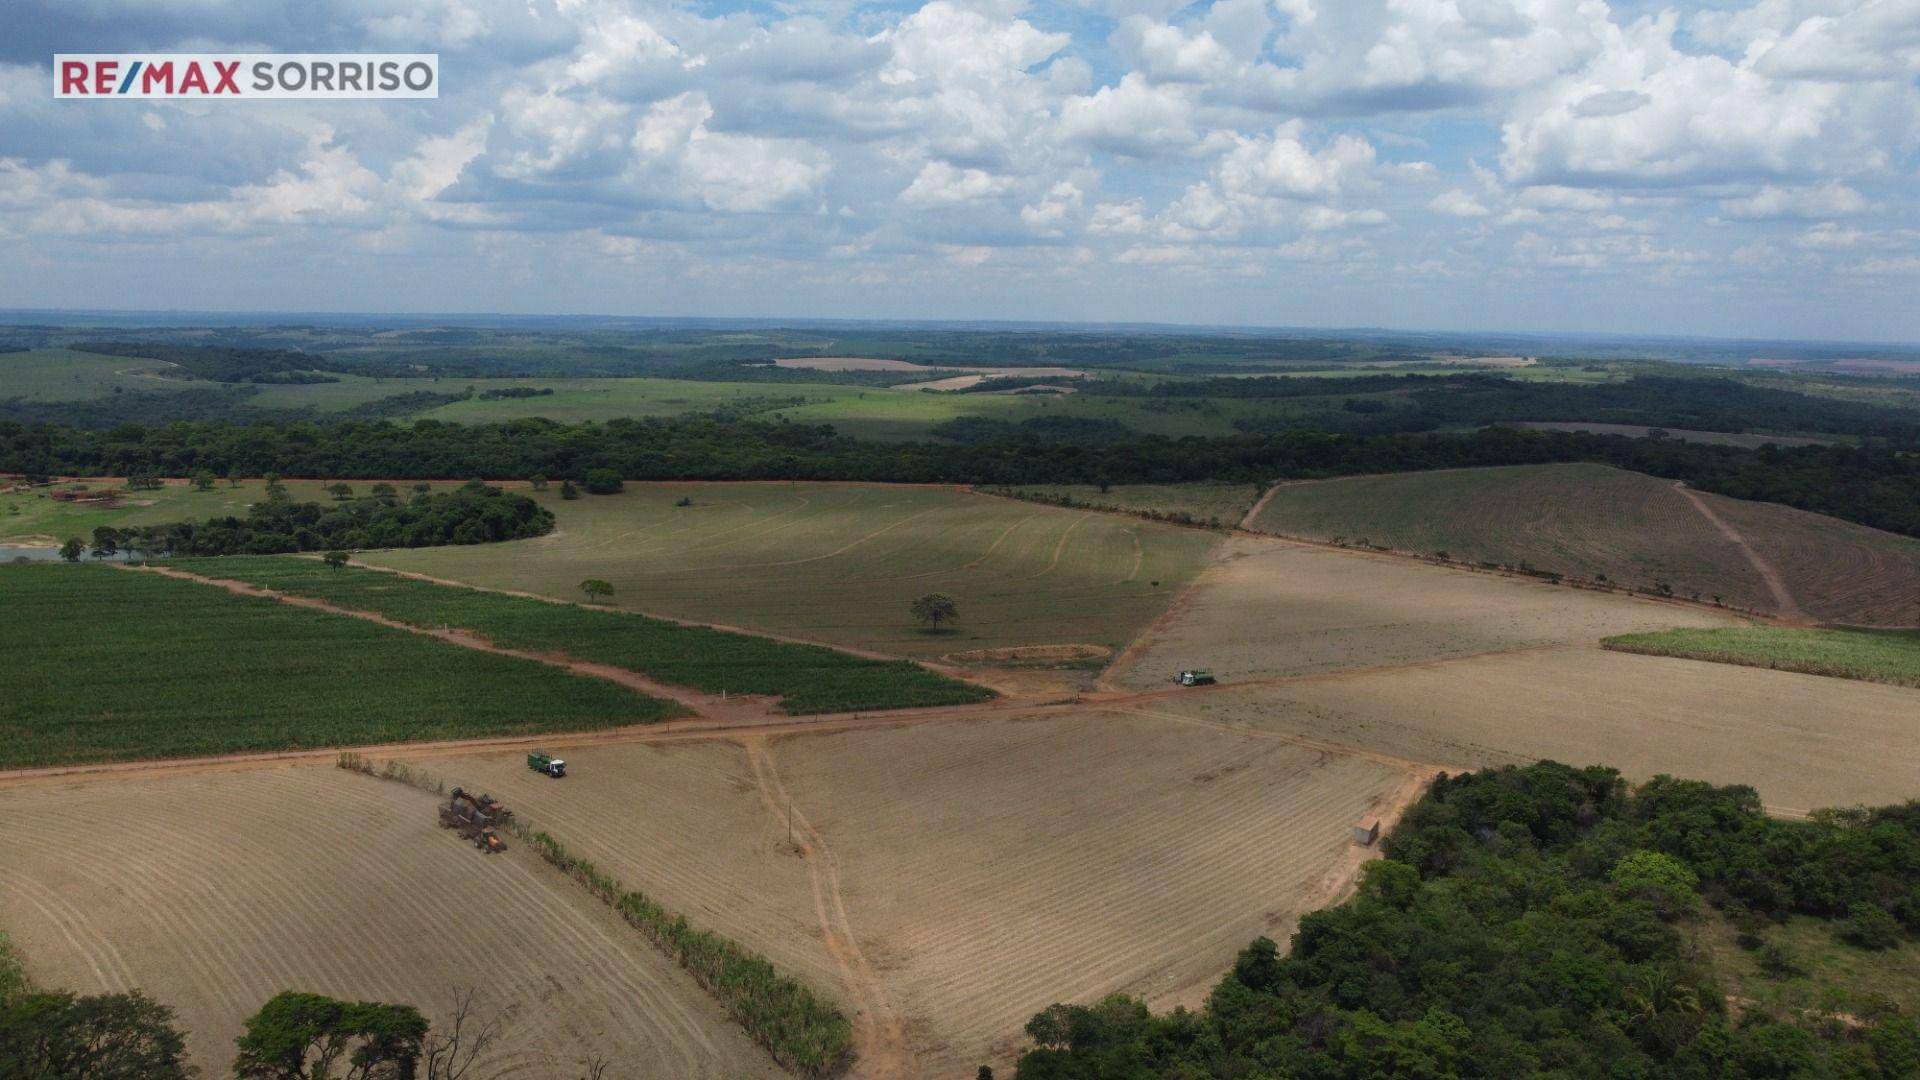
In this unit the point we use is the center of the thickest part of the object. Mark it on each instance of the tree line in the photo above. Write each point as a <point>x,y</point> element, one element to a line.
<point>474,514</point>
<point>1877,486</point>
<point>1538,921</point>
<point>1410,403</point>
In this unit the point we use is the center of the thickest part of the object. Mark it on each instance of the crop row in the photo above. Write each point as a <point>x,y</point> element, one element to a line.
<point>803,1031</point>
<point>105,664</point>
<point>807,678</point>
<point>1887,656</point>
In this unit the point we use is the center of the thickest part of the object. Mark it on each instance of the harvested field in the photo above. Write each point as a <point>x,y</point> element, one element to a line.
<point>114,665</point>
<point>840,563</point>
<point>682,822</point>
<point>1803,741</point>
<point>986,868</point>
<point>992,868</point>
<point>1589,520</point>
<point>236,886</point>
<point>1273,609</point>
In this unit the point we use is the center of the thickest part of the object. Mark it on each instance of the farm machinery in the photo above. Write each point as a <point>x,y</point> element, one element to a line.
<point>473,817</point>
<point>546,764</point>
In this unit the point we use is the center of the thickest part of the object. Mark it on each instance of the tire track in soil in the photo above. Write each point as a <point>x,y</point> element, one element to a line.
<point>1789,608</point>
<point>881,1049</point>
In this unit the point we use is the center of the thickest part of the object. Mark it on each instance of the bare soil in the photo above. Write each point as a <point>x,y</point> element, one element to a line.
<point>1803,741</point>
<point>214,892</point>
<point>991,868</point>
<point>1272,609</point>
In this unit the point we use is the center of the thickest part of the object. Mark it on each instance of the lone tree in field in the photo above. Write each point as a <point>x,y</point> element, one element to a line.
<point>594,588</point>
<point>539,482</point>
<point>335,559</point>
<point>340,492</point>
<point>298,1036</point>
<point>203,480</point>
<point>935,608</point>
<point>73,549</point>
<point>386,493</point>
<point>106,541</point>
<point>568,491</point>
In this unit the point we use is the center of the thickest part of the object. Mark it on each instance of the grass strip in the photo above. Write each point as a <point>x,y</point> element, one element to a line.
<point>803,1031</point>
<point>115,665</point>
<point>807,678</point>
<point>1884,656</point>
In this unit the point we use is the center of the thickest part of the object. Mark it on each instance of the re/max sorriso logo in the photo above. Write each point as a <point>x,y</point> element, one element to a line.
<point>246,76</point>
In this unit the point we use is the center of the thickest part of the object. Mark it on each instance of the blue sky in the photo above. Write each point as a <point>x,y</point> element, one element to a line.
<point>1726,168</point>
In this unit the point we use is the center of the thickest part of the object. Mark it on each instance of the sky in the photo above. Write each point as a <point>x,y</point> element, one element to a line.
<point>1719,168</point>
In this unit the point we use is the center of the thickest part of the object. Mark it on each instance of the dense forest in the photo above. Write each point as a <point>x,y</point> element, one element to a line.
<point>1539,921</point>
<point>474,514</point>
<point>1873,486</point>
<point>1427,403</point>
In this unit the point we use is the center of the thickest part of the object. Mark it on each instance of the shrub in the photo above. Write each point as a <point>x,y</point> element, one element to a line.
<point>603,482</point>
<point>1869,926</point>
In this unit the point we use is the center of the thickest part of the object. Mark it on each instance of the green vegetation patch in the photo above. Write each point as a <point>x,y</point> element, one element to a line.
<point>1546,921</point>
<point>807,678</point>
<point>1887,656</point>
<point>112,665</point>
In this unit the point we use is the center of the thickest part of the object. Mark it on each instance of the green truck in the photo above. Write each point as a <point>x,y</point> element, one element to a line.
<point>1195,677</point>
<point>546,763</point>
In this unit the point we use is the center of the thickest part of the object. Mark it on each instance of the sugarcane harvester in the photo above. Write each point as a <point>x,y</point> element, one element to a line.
<point>473,817</point>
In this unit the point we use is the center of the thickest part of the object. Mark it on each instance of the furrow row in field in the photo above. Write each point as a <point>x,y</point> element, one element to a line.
<point>232,887</point>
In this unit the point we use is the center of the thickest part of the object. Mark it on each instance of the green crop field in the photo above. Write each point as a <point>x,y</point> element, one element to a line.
<point>839,563</point>
<point>807,678</point>
<point>1888,656</point>
<point>112,665</point>
<point>1585,521</point>
<point>64,375</point>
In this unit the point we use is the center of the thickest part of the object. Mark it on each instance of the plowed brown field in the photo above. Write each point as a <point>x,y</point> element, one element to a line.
<point>1803,741</point>
<point>1271,609</point>
<point>213,892</point>
<point>971,872</point>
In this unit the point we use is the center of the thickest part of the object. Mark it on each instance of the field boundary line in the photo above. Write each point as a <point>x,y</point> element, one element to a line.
<point>1776,584</point>
<point>882,1051</point>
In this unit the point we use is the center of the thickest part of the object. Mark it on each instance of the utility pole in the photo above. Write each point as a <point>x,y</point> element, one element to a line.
<point>789,822</point>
